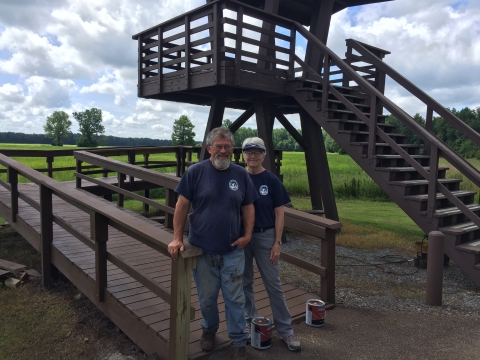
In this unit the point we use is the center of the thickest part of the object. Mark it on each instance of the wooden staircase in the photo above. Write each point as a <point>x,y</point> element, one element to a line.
<point>402,182</point>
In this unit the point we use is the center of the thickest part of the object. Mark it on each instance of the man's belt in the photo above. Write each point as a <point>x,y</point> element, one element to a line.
<point>257,230</point>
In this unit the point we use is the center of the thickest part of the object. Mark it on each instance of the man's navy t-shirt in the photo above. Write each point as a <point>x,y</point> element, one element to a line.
<point>216,197</point>
<point>272,195</point>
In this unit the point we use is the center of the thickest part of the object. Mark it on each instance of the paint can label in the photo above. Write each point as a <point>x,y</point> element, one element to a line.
<point>315,313</point>
<point>261,333</point>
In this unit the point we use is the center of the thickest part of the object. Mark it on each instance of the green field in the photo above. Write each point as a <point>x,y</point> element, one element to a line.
<point>363,207</point>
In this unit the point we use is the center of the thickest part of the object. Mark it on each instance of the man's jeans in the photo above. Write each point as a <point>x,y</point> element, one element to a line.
<point>215,272</point>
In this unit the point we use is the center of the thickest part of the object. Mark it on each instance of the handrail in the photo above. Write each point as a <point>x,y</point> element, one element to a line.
<point>450,155</point>
<point>148,233</point>
<point>421,95</point>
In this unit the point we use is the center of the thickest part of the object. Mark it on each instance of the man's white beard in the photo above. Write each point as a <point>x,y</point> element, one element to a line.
<point>222,164</point>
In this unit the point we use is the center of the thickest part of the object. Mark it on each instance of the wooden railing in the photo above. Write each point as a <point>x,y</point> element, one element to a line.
<point>103,217</point>
<point>320,227</point>
<point>436,147</point>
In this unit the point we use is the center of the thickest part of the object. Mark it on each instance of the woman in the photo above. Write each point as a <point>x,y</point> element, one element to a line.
<point>266,240</point>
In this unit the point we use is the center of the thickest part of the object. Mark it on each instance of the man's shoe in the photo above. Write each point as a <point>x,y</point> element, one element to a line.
<point>292,343</point>
<point>249,333</point>
<point>238,353</point>
<point>207,343</point>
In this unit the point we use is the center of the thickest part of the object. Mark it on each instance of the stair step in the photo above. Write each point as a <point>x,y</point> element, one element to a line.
<point>471,247</point>
<point>358,122</point>
<point>366,133</point>
<point>351,112</point>
<point>439,196</point>
<point>319,91</point>
<point>409,168</point>
<point>452,210</point>
<point>384,144</point>
<point>422,182</point>
<point>459,229</point>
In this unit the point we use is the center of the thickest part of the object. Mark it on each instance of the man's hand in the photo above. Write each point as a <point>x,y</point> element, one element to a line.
<point>275,253</point>
<point>174,247</point>
<point>241,242</point>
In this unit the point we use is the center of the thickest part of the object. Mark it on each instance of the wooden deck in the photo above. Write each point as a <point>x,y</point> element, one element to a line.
<point>137,311</point>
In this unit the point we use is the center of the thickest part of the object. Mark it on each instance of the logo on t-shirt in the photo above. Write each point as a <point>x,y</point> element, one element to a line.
<point>233,185</point>
<point>263,190</point>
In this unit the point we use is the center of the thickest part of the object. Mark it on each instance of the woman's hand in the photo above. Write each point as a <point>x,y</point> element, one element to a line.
<point>275,253</point>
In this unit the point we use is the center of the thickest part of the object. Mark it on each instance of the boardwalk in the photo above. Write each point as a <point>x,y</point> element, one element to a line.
<point>137,311</point>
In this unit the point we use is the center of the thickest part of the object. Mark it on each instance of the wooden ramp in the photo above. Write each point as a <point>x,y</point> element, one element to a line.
<point>136,310</point>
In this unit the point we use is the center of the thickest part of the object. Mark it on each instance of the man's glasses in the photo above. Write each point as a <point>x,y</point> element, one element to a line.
<point>220,147</point>
<point>253,153</point>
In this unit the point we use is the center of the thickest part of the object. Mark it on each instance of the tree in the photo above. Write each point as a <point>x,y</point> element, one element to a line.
<point>183,132</point>
<point>57,127</point>
<point>90,126</point>
<point>226,123</point>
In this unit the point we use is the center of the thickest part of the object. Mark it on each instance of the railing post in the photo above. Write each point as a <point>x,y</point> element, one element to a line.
<point>435,268</point>
<point>121,183</point>
<point>180,308</point>
<point>131,161</point>
<point>78,169</point>
<point>428,127</point>
<point>291,59</point>
<point>46,223</point>
<point>12,175</point>
<point>325,84</point>
<point>217,31</point>
<point>432,183</point>
<point>327,260</point>
<point>146,192</point>
<point>99,233</point>
<point>372,130</point>
<point>160,59</point>
<point>170,201</point>
<point>187,51</point>
<point>178,158</point>
<point>49,166</point>
<point>238,46</point>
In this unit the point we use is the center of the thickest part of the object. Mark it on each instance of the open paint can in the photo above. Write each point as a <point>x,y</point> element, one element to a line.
<point>315,313</point>
<point>261,333</point>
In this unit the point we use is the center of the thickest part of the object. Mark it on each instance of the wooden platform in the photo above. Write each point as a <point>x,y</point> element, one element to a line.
<point>138,312</point>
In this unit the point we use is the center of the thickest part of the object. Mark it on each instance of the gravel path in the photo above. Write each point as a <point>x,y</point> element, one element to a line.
<point>381,279</point>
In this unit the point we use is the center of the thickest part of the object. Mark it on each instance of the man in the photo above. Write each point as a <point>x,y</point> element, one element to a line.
<point>221,195</point>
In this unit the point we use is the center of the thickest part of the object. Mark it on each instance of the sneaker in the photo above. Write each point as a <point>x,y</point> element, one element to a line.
<point>238,353</point>
<point>292,343</point>
<point>249,333</point>
<point>207,343</point>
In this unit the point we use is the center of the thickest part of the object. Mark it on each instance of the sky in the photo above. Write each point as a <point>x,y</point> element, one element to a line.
<point>72,55</point>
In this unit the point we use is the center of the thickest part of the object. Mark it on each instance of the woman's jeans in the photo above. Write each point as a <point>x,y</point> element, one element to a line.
<point>215,272</point>
<point>259,248</point>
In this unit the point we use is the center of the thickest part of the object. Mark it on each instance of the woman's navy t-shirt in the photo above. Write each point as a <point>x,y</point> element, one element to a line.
<point>216,197</point>
<point>272,194</point>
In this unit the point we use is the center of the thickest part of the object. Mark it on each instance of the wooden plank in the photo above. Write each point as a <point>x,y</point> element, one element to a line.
<point>11,266</point>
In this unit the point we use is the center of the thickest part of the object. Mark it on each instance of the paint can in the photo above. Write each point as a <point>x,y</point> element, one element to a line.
<point>261,332</point>
<point>315,313</point>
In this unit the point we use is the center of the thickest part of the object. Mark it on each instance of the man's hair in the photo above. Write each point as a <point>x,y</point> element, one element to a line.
<point>221,132</point>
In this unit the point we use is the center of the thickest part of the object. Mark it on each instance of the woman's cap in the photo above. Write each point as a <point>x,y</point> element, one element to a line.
<point>253,143</point>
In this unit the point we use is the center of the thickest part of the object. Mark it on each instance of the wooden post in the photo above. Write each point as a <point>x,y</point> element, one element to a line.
<point>180,308</point>
<point>121,181</point>
<point>178,158</point>
<point>327,260</point>
<point>214,120</point>
<point>372,131</point>
<point>131,160</point>
<point>49,166</point>
<point>78,169</point>
<point>170,200</point>
<point>99,233</point>
<point>265,120</point>
<point>146,192</point>
<point>428,127</point>
<point>432,184</point>
<point>318,170</point>
<point>12,175</point>
<point>46,223</point>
